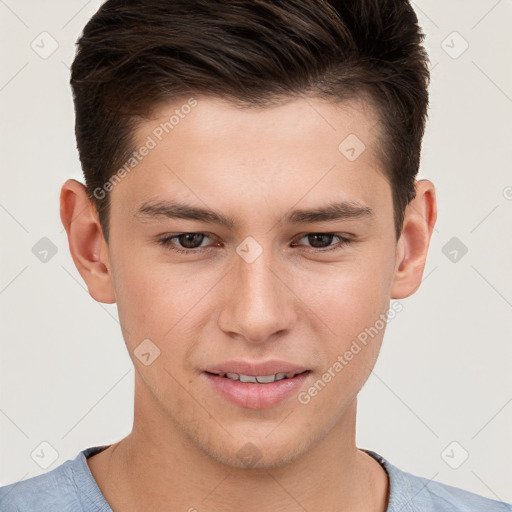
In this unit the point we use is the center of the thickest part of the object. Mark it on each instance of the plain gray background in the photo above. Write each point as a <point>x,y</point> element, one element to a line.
<point>439,402</point>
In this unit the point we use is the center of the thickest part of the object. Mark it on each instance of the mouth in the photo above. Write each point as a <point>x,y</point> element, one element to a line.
<point>259,379</point>
<point>257,391</point>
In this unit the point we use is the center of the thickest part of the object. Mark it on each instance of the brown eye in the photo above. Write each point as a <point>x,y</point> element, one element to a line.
<point>185,243</point>
<point>190,240</point>
<point>321,242</point>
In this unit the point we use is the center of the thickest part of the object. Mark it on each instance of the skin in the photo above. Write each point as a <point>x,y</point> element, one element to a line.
<point>291,303</point>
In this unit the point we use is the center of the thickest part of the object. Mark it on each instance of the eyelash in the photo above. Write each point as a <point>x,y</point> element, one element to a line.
<point>167,243</point>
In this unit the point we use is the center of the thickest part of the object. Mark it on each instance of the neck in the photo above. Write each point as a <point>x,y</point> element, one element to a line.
<point>156,468</point>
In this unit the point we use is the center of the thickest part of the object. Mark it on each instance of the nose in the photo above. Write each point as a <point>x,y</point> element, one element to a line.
<point>259,302</point>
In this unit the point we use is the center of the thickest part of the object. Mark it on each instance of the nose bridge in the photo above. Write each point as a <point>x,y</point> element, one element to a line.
<point>259,305</point>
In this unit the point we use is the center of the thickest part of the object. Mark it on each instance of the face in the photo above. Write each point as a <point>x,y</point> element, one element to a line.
<point>270,275</point>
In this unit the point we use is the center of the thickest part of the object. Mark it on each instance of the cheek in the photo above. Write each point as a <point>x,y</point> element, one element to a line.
<point>352,296</point>
<point>351,352</point>
<point>158,301</point>
<point>351,304</point>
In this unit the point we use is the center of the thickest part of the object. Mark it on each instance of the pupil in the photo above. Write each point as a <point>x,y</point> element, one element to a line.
<point>187,240</point>
<point>328,239</point>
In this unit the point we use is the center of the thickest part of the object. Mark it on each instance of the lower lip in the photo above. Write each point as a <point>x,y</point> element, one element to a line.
<point>256,396</point>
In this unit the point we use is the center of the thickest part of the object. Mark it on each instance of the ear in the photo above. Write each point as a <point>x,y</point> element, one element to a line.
<point>86,243</point>
<point>412,247</point>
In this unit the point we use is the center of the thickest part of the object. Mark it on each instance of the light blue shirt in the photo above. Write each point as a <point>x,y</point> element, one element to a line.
<point>71,487</point>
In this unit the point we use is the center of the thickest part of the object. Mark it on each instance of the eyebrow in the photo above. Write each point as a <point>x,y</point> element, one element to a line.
<point>345,210</point>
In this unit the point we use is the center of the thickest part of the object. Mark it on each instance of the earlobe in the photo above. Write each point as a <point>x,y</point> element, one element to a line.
<point>412,247</point>
<point>86,243</point>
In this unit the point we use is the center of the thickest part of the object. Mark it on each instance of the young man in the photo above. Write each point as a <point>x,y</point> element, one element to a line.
<point>252,208</point>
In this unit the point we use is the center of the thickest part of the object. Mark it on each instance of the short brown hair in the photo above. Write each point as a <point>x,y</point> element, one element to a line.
<point>134,54</point>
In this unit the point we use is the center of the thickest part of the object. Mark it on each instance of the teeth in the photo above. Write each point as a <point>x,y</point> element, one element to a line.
<point>265,379</point>
<point>247,378</point>
<point>262,379</point>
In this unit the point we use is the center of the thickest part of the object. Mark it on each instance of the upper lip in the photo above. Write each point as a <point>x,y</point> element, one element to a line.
<point>252,368</point>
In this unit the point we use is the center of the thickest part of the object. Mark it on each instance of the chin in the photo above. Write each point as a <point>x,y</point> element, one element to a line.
<point>261,453</point>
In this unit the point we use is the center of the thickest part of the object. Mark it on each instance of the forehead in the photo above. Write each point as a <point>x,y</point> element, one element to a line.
<point>292,121</point>
<point>209,150</point>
